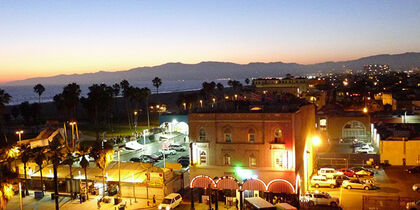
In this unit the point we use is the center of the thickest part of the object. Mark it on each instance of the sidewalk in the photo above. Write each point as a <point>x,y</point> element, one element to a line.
<point>29,202</point>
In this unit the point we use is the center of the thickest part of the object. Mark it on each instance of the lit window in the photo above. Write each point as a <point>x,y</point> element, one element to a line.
<point>227,160</point>
<point>228,135</point>
<point>203,157</point>
<point>252,161</point>
<point>203,135</point>
<point>323,122</point>
<point>251,135</point>
<point>280,159</point>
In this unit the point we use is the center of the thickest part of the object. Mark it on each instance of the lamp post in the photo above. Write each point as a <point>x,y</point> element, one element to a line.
<point>135,122</point>
<point>185,106</point>
<point>201,103</point>
<point>72,132</point>
<point>134,187</point>
<point>20,132</point>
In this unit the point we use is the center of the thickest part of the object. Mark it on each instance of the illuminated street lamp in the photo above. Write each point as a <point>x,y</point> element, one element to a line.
<point>20,134</point>
<point>185,105</point>
<point>201,103</point>
<point>236,97</point>
<point>135,121</point>
<point>72,132</point>
<point>365,110</point>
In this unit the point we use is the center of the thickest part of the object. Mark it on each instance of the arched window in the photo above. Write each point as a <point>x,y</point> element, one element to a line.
<point>227,135</point>
<point>251,135</point>
<point>278,136</point>
<point>227,160</point>
<point>252,161</point>
<point>203,135</point>
<point>354,129</point>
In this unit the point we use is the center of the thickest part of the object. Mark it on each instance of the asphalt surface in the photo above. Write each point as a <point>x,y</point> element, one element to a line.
<point>152,147</point>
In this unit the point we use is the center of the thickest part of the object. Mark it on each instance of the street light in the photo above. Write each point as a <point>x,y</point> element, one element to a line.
<point>20,132</point>
<point>201,103</point>
<point>185,105</point>
<point>365,110</point>
<point>72,132</point>
<point>135,122</point>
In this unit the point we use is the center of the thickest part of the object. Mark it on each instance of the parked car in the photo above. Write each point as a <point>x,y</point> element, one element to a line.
<point>135,159</point>
<point>158,155</point>
<point>320,198</point>
<point>348,140</point>
<point>367,148</point>
<point>185,157</point>
<point>170,202</point>
<point>340,178</point>
<point>168,151</point>
<point>177,147</point>
<point>322,181</point>
<point>347,172</point>
<point>359,144</point>
<point>414,170</point>
<point>357,184</point>
<point>329,172</point>
<point>413,205</point>
<point>416,188</point>
<point>147,159</point>
<point>359,168</point>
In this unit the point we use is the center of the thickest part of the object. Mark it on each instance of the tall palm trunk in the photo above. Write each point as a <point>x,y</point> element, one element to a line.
<point>25,184</point>
<point>87,185</point>
<point>42,181</point>
<point>103,183</point>
<point>57,207</point>
<point>71,181</point>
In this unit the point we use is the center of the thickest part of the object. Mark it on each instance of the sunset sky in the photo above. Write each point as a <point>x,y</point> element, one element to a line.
<point>44,38</point>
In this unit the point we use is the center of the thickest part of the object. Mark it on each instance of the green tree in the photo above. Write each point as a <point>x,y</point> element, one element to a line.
<point>39,89</point>
<point>157,82</point>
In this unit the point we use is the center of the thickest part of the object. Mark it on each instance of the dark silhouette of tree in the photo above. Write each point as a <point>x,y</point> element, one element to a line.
<point>126,91</point>
<point>25,157</point>
<point>84,163</point>
<point>25,110</point>
<point>99,103</point>
<point>4,100</point>
<point>39,89</point>
<point>157,82</point>
<point>220,87</point>
<point>40,160</point>
<point>55,153</point>
<point>68,100</point>
<point>247,81</point>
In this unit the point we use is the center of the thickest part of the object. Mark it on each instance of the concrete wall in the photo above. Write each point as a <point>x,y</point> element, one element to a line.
<point>393,151</point>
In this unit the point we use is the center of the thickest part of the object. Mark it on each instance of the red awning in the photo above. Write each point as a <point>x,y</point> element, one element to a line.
<point>227,184</point>
<point>202,182</point>
<point>253,184</point>
<point>280,187</point>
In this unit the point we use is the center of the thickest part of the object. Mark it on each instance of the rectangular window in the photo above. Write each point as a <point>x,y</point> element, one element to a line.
<point>280,159</point>
<point>252,161</point>
<point>227,160</point>
<point>228,137</point>
<point>251,138</point>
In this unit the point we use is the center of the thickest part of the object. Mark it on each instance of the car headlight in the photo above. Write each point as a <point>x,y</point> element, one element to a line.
<point>167,208</point>
<point>160,207</point>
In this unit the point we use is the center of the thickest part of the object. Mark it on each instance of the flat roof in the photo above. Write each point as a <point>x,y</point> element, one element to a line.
<point>259,202</point>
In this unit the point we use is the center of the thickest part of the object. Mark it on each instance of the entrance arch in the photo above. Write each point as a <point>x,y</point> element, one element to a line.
<point>280,186</point>
<point>227,183</point>
<point>254,184</point>
<point>202,181</point>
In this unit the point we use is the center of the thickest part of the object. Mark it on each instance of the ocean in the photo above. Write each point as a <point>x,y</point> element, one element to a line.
<point>26,93</point>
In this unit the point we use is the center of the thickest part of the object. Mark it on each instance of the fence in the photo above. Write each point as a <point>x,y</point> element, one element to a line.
<point>385,202</point>
<point>347,160</point>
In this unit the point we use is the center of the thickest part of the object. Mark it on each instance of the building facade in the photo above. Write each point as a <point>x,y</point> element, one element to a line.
<point>253,152</point>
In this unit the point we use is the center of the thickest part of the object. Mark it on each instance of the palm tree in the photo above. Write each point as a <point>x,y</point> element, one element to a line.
<point>125,87</point>
<point>247,81</point>
<point>71,94</point>
<point>40,160</point>
<point>4,99</point>
<point>157,82</point>
<point>85,163</point>
<point>26,155</point>
<point>69,160</point>
<point>7,177</point>
<point>39,89</point>
<point>102,154</point>
<point>55,153</point>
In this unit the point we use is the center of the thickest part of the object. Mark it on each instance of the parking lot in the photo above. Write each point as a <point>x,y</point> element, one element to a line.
<point>392,181</point>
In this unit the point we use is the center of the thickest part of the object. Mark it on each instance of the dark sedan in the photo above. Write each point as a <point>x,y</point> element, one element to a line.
<point>414,170</point>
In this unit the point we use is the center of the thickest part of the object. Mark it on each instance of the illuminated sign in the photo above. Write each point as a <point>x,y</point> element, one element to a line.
<point>245,173</point>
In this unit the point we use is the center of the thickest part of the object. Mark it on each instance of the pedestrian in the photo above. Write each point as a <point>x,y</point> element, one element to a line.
<point>99,204</point>
<point>154,200</point>
<point>80,197</point>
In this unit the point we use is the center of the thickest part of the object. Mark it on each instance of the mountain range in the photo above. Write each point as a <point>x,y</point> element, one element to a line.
<point>218,70</point>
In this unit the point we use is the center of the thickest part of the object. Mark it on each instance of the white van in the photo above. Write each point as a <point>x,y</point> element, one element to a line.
<point>322,181</point>
<point>171,201</point>
<point>329,172</point>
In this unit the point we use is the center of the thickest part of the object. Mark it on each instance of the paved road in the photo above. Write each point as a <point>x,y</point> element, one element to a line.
<point>153,147</point>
